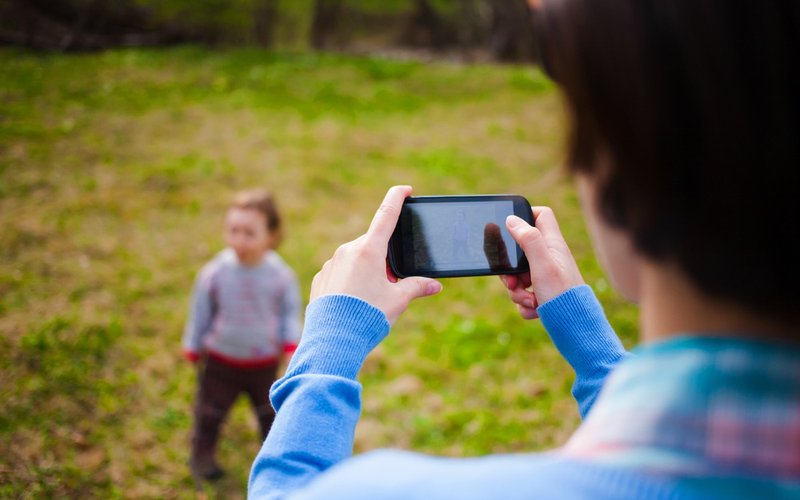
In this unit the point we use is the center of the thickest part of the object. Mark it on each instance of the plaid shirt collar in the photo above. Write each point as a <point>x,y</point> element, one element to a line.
<point>698,407</point>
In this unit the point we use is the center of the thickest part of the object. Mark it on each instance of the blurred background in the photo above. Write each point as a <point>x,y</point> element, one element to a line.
<point>470,29</point>
<point>126,126</point>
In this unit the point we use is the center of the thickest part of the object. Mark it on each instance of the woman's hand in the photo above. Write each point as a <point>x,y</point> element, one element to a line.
<point>359,268</point>
<point>553,269</point>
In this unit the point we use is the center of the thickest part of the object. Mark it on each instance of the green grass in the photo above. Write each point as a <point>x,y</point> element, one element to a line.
<point>115,169</point>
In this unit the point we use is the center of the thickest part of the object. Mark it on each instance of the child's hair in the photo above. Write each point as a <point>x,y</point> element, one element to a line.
<point>261,201</point>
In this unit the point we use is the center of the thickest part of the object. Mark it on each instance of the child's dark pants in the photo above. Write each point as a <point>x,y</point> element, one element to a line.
<point>220,385</point>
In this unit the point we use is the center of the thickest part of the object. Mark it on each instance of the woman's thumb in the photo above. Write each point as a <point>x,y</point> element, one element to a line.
<point>529,238</point>
<point>416,287</point>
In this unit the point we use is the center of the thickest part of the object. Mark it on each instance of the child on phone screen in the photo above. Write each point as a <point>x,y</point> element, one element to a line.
<point>244,316</point>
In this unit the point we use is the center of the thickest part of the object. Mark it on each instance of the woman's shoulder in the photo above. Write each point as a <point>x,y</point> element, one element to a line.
<point>546,475</point>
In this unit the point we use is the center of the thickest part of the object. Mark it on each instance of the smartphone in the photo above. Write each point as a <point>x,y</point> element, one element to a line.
<point>452,236</point>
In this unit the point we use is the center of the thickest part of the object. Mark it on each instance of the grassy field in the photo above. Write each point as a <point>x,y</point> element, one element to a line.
<point>115,169</point>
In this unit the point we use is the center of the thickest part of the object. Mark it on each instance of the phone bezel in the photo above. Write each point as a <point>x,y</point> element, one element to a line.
<point>522,209</point>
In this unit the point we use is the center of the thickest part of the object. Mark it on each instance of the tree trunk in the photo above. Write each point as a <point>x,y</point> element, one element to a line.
<point>65,25</point>
<point>265,18</point>
<point>324,22</point>
<point>472,25</point>
<point>78,27</point>
<point>512,35</point>
<point>472,28</point>
<point>426,27</point>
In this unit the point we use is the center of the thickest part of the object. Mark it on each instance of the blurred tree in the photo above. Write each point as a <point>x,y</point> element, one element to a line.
<point>265,18</point>
<point>512,36</point>
<point>324,22</point>
<point>500,28</point>
<point>206,21</point>
<point>427,28</point>
<point>76,24</point>
<point>472,23</point>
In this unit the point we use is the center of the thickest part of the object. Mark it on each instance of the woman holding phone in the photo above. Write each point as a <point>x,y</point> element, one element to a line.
<point>683,142</point>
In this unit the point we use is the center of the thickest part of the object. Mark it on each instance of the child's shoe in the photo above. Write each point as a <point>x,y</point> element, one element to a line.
<point>207,468</point>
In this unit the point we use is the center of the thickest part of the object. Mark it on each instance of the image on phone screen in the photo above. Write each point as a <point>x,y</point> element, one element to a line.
<point>454,237</point>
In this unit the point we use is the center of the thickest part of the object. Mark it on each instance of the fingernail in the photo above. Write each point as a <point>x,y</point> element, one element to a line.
<point>528,303</point>
<point>513,221</point>
<point>433,287</point>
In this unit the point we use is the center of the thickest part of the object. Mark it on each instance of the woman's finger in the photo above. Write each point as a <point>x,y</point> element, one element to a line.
<point>512,281</point>
<point>509,280</point>
<point>522,297</point>
<point>545,221</point>
<point>385,219</point>
<point>389,274</point>
<point>531,240</point>
<point>527,313</point>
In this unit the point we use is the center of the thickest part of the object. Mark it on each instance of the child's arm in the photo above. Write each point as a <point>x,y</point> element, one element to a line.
<point>201,315</point>
<point>290,324</point>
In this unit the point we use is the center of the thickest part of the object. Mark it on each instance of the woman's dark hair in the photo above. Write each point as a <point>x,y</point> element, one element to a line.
<point>263,202</point>
<point>688,113</point>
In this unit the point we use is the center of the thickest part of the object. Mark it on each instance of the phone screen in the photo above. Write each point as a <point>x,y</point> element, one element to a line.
<point>458,238</point>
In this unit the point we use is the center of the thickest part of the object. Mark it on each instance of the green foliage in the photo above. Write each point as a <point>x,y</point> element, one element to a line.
<point>115,169</point>
<point>63,390</point>
<point>231,21</point>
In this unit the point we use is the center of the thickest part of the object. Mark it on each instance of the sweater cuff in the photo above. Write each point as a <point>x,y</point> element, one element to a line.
<point>339,332</point>
<point>579,329</point>
<point>191,355</point>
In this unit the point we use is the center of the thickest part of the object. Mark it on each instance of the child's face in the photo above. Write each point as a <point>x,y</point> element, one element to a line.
<point>246,232</point>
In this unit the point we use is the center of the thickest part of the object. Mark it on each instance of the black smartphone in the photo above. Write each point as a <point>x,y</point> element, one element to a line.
<point>451,236</point>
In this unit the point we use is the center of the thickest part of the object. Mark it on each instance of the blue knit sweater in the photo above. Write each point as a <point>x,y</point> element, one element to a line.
<point>318,402</point>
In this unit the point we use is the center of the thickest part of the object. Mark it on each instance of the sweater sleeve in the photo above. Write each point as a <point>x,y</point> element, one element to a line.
<point>201,313</point>
<point>580,331</point>
<point>318,401</point>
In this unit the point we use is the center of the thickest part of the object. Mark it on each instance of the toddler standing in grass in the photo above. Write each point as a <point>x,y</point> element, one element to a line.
<point>244,316</point>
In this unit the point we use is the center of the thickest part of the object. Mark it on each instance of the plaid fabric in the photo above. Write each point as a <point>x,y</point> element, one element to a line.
<point>700,407</point>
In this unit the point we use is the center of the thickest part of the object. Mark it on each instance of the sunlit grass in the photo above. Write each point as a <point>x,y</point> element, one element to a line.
<point>114,172</point>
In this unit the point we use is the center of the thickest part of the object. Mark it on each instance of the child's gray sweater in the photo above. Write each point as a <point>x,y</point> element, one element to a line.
<point>244,315</point>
